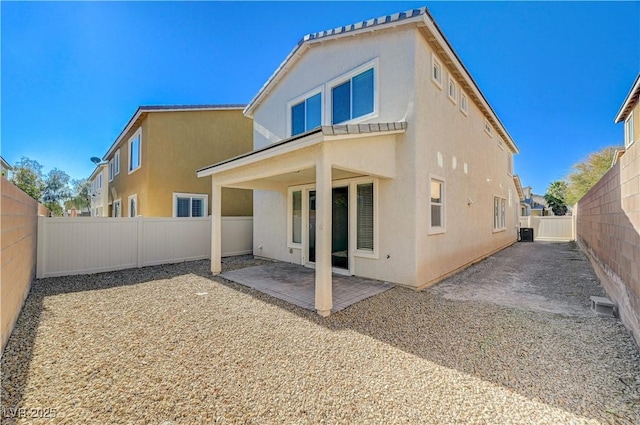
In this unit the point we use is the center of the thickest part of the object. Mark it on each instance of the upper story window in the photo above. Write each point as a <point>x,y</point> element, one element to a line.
<point>487,128</point>
<point>353,98</point>
<point>464,103</point>
<point>116,163</point>
<point>510,163</point>
<point>100,181</point>
<point>628,130</point>
<point>500,143</point>
<point>307,114</point>
<point>436,70</point>
<point>453,89</point>
<point>135,151</point>
<point>111,169</point>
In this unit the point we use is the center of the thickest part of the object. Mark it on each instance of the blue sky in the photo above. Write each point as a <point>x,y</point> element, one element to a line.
<point>74,73</point>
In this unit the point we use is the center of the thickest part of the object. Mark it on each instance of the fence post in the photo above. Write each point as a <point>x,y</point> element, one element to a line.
<point>140,241</point>
<point>41,249</point>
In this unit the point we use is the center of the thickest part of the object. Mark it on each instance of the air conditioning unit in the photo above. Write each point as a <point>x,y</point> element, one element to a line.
<point>526,234</point>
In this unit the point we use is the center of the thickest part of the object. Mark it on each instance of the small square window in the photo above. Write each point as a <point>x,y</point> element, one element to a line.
<point>190,205</point>
<point>436,71</point>
<point>500,143</point>
<point>488,128</point>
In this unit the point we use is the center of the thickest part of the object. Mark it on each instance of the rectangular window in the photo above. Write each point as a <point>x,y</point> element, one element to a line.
<point>296,230</point>
<point>111,169</point>
<point>436,71</point>
<point>499,213</point>
<point>365,218</point>
<point>100,181</point>
<point>306,115</point>
<point>488,128</point>
<point>353,98</point>
<point>135,150</point>
<point>464,106</point>
<point>133,206</point>
<point>116,162</point>
<point>117,208</point>
<point>190,205</point>
<point>510,164</point>
<point>453,88</point>
<point>500,143</point>
<point>628,131</point>
<point>437,204</point>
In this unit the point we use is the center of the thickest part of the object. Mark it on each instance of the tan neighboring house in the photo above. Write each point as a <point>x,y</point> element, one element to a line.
<point>376,155</point>
<point>5,168</point>
<point>149,169</point>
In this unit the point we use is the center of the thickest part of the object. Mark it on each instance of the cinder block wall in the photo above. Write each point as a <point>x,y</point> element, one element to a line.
<point>608,227</point>
<point>19,223</point>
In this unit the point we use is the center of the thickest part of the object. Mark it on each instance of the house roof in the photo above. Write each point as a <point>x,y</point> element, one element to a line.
<point>144,110</point>
<point>418,17</point>
<point>5,164</point>
<point>326,130</point>
<point>629,102</point>
<point>518,183</point>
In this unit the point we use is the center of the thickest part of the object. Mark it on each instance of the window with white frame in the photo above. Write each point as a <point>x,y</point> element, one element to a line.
<point>296,214</point>
<point>453,89</point>
<point>306,114</point>
<point>628,130</point>
<point>117,208</point>
<point>500,143</point>
<point>499,213</point>
<point>436,70</point>
<point>488,128</point>
<point>100,181</point>
<point>464,103</point>
<point>116,162</point>
<point>436,190</point>
<point>365,217</point>
<point>111,169</point>
<point>190,205</point>
<point>133,206</point>
<point>135,151</point>
<point>353,98</point>
<point>510,163</point>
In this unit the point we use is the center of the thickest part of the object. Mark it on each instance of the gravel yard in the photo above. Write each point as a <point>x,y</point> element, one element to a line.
<point>171,345</point>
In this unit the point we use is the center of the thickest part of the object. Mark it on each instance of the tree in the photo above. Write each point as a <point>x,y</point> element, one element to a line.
<point>56,190</point>
<point>555,197</point>
<point>586,174</point>
<point>81,196</point>
<point>27,175</point>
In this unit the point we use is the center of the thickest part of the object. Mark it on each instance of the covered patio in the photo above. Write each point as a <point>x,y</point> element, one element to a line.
<point>318,157</point>
<point>295,284</point>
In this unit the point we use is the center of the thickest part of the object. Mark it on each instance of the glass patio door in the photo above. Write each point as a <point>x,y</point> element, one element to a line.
<point>339,227</point>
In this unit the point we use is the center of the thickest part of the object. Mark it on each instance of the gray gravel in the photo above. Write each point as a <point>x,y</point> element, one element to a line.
<point>171,345</point>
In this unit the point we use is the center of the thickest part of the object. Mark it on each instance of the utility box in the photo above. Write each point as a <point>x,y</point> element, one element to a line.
<point>526,234</point>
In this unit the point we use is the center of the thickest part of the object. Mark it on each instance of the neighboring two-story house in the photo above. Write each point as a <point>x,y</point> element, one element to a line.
<point>149,169</point>
<point>376,155</point>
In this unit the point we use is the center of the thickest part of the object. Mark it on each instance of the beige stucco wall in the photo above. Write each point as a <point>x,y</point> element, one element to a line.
<point>174,145</point>
<point>100,197</point>
<point>436,128</point>
<point>447,140</point>
<point>19,223</point>
<point>608,227</point>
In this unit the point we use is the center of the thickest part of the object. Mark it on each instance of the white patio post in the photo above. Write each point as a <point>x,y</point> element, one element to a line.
<point>324,295</point>
<point>216,228</point>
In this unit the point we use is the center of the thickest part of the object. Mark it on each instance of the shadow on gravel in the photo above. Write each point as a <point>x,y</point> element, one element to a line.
<point>570,360</point>
<point>19,348</point>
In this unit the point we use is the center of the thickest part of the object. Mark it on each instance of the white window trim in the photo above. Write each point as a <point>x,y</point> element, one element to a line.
<point>441,229</point>
<point>290,190</point>
<point>116,159</point>
<point>303,97</point>
<point>177,195</point>
<point>488,128</point>
<point>464,106</point>
<point>100,181</point>
<point>329,85</point>
<point>353,216</point>
<point>510,164</point>
<point>134,196</point>
<point>113,207</point>
<point>112,169</point>
<point>131,139</point>
<point>628,132</point>
<point>504,228</point>
<point>500,143</point>
<point>436,62</point>
<point>452,98</point>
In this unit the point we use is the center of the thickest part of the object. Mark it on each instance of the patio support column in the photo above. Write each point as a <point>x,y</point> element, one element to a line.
<point>216,228</point>
<point>324,295</point>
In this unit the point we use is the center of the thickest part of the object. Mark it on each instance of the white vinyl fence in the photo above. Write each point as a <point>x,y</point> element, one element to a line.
<point>68,246</point>
<point>553,228</point>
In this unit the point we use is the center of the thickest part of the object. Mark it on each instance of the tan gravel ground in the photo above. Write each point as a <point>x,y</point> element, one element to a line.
<point>170,345</point>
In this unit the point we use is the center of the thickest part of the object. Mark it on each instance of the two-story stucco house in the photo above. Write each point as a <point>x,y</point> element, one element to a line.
<point>148,170</point>
<point>376,155</point>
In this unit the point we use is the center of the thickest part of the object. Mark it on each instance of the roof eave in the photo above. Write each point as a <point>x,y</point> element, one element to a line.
<point>627,104</point>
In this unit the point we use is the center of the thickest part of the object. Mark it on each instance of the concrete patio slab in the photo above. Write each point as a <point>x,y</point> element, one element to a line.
<point>296,284</point>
